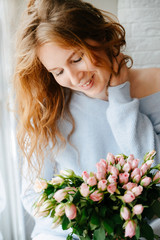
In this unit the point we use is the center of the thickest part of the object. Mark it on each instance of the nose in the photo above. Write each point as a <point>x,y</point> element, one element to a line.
<point>75,75</point>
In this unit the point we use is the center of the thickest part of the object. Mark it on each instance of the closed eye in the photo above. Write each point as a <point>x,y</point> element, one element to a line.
<point>59,73</point>
<point>79,59</point>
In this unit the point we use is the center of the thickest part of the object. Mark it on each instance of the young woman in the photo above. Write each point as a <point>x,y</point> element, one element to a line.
<point>76,98</point>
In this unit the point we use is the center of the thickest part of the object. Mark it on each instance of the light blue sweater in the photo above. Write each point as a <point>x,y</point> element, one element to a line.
<point>120,125</point>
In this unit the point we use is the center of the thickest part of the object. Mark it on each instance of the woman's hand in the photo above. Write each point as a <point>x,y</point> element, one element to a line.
<point>120,76</point>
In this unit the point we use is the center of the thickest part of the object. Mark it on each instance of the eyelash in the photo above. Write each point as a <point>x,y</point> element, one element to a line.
<point>73,61</point>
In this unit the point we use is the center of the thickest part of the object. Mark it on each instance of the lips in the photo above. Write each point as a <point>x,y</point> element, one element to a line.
<point>88,84</point>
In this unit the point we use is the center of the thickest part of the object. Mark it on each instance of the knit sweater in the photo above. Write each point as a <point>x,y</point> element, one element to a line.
<point>120,125</point>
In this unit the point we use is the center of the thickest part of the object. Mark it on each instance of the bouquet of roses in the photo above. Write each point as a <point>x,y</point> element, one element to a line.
<point>114,203</point>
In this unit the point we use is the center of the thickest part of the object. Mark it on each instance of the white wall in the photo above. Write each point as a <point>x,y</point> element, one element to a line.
<point>107,5</point>
<point>141,19</point>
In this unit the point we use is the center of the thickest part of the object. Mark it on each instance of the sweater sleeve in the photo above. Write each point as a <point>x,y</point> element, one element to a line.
<point>134,131</point>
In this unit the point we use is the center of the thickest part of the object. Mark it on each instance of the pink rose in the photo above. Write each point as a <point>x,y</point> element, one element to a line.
<point>111,188</point>
<point>149,163</point>
<point>100,175</point>
<point>70,211</point>
<point>144,168</point>
<point>121,161</point>
<point>137,190</point>
<point>129,185</point>
<point>85,176</point>
<point>127,167</point>
<point>40,185</point>
<point>104,162</point>
<point>70,190</point>
<point>145,181</point>
<point>128,197</point>
<point>92,181</point>
<point>60,209</point>
<point>130,158</point>
<point>136,178</point>
<point>112,179</point>
<point>113,170</point>
<point>130,229</point>
<point>102,185</point>
<point>157,176</point>
<point>60,195</point>
<point>96,196</point>
<point>84,190</point>
<point>110,158</point>
<point>138,209</point>
<point>101,167</point>
<point>135,163</point>
<point>125,213</point>
<point>135,172</point>
<point>123,177</point>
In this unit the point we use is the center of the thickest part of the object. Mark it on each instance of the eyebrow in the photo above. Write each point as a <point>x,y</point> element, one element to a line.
<point>72,54</point>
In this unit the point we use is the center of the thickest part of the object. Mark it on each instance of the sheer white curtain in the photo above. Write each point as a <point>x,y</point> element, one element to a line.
<point>11,219</point>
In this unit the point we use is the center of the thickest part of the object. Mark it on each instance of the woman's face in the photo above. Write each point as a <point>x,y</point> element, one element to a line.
<point>73,69</point>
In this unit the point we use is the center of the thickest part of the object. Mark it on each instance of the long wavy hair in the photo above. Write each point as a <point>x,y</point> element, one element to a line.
<point>40,101</point>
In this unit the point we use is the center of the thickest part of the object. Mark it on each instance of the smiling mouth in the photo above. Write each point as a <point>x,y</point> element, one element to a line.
<point>88,84</point>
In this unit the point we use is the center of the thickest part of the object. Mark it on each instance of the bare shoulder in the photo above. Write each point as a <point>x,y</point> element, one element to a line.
<point>144,82</point>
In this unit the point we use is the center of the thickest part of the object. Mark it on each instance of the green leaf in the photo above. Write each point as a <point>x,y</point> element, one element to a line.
<point>108,225</point>
<point>146,231</point>
<point>156,208</point>
<point>99,234</point>
<point>95,219</point>
<point>76,197</point>
<point>65,223</point>
<point>92,226</point>
<point>85,238</point>
<point>137,232</point>
<point>69,237</point>
<point>102,211</point>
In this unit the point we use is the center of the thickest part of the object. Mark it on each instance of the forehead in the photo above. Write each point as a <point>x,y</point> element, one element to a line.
<point>53,55</point>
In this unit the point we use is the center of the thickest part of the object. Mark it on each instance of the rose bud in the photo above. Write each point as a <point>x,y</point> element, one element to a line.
<point>145,181</point>
<point>125,213</point>
<point>96,196</point>
<point>100,175</point>
<point>37,213</point>
<point>113,170</point>
<point>47,205</point>
<point>130,229</point>
<point>127,167</point>
<point>111,188</point>
<point>70,211</point>
<point>56,181</point>
<point>70,190</point>
<point>137,190</point>
<point>150,155</point>
<point>121,161</point>
<point>110,158</point>
<point>92,181</point>
<point>128,197</point>
<point>56,222</point>
<point>102,185</point>
<point>138,209</point>
<point>157,176</point>
<point>101,167</point>
<point>112,179</point>
<point>135,172</point>
<point>104,162</point>
<point>67,173</point>
<point>135,163</point>
<point>60,209</point>
<point>84,190</point>
<point>129,185</point>
<point>136,178</point>
<point>40,185</point>
<point>123,177</point>
<point>130,158</point>
<point>149,163</point>
<point>144,169</point>
<point>60,195</point>
<point>85,176</point>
